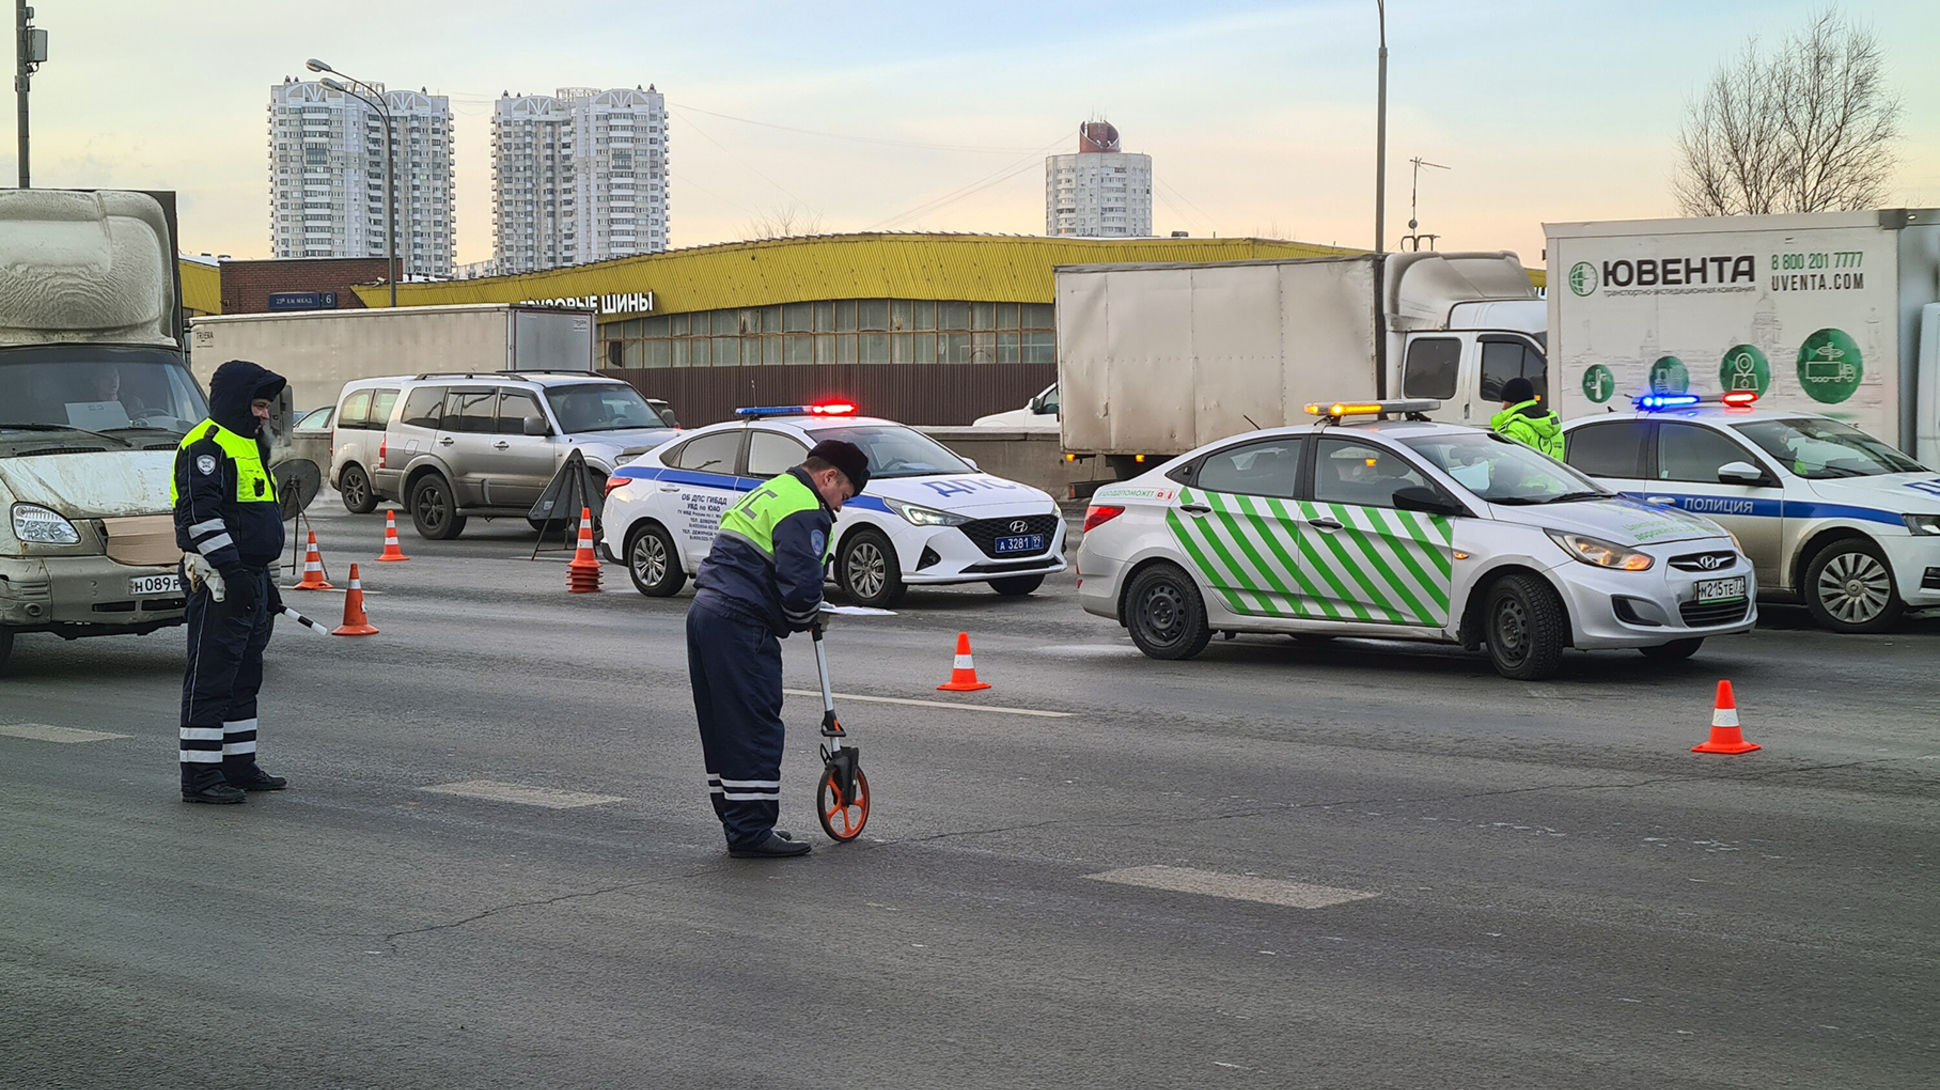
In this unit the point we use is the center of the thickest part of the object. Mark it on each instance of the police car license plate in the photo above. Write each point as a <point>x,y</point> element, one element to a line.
<point>1720,590</point>
<point>1025,543</point>
<point>155,584</point>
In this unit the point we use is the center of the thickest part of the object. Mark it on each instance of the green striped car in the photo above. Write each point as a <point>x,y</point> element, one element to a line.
<point>1404,528</point>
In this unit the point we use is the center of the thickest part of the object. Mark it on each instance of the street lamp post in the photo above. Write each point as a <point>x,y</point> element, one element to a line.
<point>1381,138</point>
<point>375,100</point>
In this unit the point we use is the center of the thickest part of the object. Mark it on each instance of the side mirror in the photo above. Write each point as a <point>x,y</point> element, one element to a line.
<point>535,425</point>
<point>1741,473</point>
<point>971,462</point>
<point>1427,501</point>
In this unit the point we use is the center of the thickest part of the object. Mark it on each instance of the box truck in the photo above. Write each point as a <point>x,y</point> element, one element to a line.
<point>1835,313</point>
<point>1157,359</point>
<point>319,351</point>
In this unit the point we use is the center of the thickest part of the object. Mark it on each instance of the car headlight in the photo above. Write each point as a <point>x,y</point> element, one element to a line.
<point>1600,553</point>
<point>41,526</point>
<point>1735,543</point>
<point>923,516</point>
<point>1923,525</point>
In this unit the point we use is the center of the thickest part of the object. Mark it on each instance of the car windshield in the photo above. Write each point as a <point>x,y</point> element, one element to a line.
<point>1502,471</point>
<point>1821,450</point>
<point>130,396</point>
<point>601,406</point>
<point>896,451</point>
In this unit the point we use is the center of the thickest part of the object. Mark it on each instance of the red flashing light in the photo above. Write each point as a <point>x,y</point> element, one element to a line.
<point>1097,515</point>
<point>832,408</point>
<point>1740,398</point>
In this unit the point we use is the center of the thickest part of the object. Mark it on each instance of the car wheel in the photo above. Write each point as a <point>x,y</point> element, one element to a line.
<point>1849,588</point>
<point>434,512</point>
<point>651,561</point>
<point>353,484</point>
<point>1165,614</point>
<point>1674,650</point>
<point>1017,585</point>
<point>867,570</point>
<point>1525,627</point>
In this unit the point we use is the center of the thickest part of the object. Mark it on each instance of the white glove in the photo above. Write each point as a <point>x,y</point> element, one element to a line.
<point>201,572</point>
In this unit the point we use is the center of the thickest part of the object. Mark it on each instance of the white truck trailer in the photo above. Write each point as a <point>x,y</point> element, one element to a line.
<point>1157,359</point>
<point>1836,313</point>
<point>319,351</point>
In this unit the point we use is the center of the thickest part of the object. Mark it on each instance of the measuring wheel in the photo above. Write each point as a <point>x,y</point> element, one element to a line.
<point>843,812</point>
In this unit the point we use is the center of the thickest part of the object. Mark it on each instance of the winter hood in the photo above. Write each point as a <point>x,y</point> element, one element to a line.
<point>234,385</point>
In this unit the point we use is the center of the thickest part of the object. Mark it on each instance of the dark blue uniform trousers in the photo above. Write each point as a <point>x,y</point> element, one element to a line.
<point>734,664</point>
<point>225,670</point>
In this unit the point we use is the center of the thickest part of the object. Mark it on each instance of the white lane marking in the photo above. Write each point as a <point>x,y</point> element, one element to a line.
<point>1239,887</point>
<point>994,709</point>
<point>40,732</point>
<point>550,798</point>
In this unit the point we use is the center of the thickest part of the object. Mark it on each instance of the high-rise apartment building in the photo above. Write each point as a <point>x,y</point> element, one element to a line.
<point>1099,192</point>
<point>326,151</point>
<point>578,176</point>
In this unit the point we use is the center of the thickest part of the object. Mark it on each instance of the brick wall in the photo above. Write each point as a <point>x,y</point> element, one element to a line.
<point>246,285</point>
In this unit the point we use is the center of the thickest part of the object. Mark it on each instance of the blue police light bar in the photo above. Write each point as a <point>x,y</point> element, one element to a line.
<point>1653,402</point>
<point>820,408</point>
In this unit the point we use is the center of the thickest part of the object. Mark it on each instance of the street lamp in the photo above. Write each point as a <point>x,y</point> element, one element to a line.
<point>1381,138</point>
<point>375,100</point>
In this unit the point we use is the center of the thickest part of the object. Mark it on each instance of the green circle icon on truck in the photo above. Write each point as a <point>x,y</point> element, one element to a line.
<point>1829,366</point>
<point>1669,376</point>
<point>1745,368</point>
<point>1599,383</point>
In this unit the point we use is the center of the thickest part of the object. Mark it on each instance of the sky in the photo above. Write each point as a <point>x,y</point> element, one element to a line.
<point>1259,117</point>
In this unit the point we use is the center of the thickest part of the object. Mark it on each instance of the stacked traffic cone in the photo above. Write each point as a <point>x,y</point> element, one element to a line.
<point>313,569</point>
<point>1725,735</point>
<point>963,677</point>
<point>391,551</point>
<point>355,623</point>
<point>583,574</point>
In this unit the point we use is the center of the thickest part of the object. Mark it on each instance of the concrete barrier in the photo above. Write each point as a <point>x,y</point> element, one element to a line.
<point>1034,457</point>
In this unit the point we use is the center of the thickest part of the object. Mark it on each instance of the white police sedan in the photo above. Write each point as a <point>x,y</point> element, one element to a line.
<point>1828,514</point>
<point>927,517</point>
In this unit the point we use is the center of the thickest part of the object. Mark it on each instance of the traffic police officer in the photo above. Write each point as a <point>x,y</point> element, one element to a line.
<point>762,580</point>
<point>230,529</point>
<point>1524,420</point>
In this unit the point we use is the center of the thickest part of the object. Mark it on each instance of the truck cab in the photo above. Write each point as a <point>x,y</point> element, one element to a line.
<point>95,395</point>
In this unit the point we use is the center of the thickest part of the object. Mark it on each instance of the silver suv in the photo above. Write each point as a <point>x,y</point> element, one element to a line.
<point>450,446</point>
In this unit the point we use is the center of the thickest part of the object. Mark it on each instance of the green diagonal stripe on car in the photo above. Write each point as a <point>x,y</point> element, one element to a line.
<point>1235,525</point>
<point>1391,586</point>
<point>1412,550</point>
<point>1312,558</point>
<point>1435,533</point>
<point>1276,526</point>
<point>1393,555</point>
<point>1316,598</point>
<point>1355,564</point>
<point>1219,535</point>
<point>1192,549</point>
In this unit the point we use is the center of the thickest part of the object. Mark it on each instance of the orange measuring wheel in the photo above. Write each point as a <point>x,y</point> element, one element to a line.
<point>843,816</point>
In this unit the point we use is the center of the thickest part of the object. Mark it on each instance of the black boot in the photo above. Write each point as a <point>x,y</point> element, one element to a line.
<point>773,846</point>
<point>249,777</point>
<point>208,785</point>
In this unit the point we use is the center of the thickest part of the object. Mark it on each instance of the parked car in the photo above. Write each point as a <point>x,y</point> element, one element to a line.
<point>1041,414</point>
<point>1828,514</point>
<point>310,437</point>
<point>453,446</point>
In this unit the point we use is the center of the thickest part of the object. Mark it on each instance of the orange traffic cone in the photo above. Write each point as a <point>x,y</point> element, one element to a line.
<point>583,574</point>
<point>963,677</point>
<point>1725,735</point>
<point>313,569</point>
<point>355,623</point>
<point>391,551</point>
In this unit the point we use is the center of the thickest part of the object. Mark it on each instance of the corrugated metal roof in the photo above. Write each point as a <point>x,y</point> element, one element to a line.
<point>985,268</point>
<point>201,286</point>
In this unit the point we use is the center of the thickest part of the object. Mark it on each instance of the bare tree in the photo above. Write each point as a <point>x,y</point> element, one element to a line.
<point>1810,128</point>
<point>784,221</point>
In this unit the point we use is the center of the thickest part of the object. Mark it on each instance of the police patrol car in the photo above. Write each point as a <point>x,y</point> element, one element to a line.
<point>1403,529</point>
<point>927,517</point>
<point>1828,514</point>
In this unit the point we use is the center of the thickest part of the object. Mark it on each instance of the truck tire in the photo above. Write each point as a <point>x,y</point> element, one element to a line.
<point>353,484</point>
<point>1165,614</point>
<point>868,570</point>
<point>1526,628</point>
<point>1017,585</point>
<point>434,510</point>
<point>1849,588</point>
<point>652,561</point>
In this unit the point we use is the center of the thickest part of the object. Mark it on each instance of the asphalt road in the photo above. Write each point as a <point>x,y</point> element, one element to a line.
<point>1363,865</point>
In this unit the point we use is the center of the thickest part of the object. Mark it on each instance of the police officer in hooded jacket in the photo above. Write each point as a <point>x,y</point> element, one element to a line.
<point>230,529</point>
<point>762,580</point>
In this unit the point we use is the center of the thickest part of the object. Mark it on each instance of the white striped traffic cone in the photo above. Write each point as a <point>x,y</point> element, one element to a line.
<point>313,568</point>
